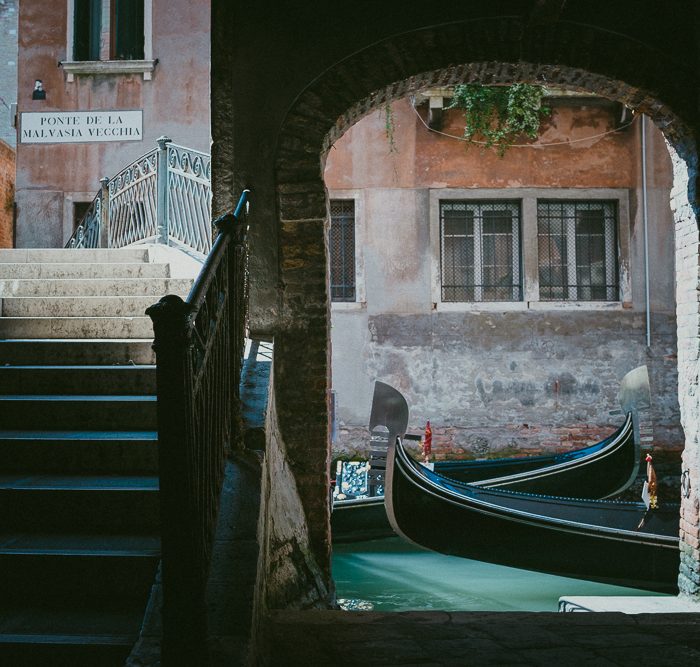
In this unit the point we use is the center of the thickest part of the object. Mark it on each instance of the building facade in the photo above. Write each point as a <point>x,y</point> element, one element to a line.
<point>8,69</point>
<point>98,82</point>
<point>504,296</point>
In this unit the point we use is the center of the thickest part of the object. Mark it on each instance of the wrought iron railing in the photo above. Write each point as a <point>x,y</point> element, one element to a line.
<point>199,348</point>
<point>132,211</point>
<point>164,196</point>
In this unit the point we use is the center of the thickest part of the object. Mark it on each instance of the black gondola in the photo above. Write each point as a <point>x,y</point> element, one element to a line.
<point>598,471</point>
<point>601,470</point>
<point>598,540</point>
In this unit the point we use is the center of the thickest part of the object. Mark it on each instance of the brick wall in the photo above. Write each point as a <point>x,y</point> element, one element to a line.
<point>7,194</point>
<point>289,574</point>
<point>688,316</point>
<point>8,67</point>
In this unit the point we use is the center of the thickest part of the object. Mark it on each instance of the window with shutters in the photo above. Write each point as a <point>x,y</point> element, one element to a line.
<point>109,37</point>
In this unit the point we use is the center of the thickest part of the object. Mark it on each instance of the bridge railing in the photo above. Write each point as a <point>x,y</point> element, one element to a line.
<point>164,197</point>
<point>199,349</point>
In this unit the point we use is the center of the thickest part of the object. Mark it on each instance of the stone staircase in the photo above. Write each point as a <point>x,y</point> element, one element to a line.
<point>79,514</point>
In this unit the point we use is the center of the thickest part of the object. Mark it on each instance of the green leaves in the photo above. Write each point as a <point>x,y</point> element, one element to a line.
<point>499,114</point>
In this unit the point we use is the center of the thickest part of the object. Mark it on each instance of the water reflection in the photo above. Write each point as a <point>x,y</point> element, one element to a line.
<point>392,575</point>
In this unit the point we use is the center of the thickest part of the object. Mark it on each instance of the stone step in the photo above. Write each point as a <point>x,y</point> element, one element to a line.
<point>76,327</point>
<point>70,306</point>
<point>77,568</point>
<point>79,452</point>
<point>73,504</point>
<point>59,351</point>
<point>56,271</point>
<point>125,379</point>
<point>155,287</point>
<point>75,650</point>
<point>59,412</point>
<point>67,255</point>
<point>100,634</point>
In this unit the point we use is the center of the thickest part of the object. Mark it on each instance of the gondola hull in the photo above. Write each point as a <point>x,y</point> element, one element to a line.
<point>597,471</point>
<point>595,540</point>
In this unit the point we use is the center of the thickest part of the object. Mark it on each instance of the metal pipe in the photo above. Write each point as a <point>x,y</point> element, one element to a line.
<point>645,218</point>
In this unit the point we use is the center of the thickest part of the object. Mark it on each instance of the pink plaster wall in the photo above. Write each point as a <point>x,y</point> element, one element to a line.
<point>361,158</point>
<point>7,192</point>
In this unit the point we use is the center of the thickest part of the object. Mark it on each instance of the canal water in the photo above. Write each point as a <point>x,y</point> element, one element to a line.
<point>393,575</point>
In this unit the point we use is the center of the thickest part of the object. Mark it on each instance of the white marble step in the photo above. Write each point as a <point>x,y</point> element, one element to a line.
<point>94,287</point>
<point>60,255</point>
<point>76,327</point>
<point>68,270</point>
<point>68,306</point>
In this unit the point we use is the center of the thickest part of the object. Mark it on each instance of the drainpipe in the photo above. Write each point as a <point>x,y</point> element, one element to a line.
<point>645,218</point>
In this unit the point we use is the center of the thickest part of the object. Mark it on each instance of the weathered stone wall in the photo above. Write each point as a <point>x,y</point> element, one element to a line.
<point>8,68</point>
<point>512,378</point>
<point>288,572</point>
<point>7,194</point>
<point>688,309</point>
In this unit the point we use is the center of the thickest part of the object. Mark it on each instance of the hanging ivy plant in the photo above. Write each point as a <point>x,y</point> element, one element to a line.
<point>499,114</point>
<point>389,127</point>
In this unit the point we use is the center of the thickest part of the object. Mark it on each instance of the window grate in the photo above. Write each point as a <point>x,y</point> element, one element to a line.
<point>577,249</point>
<point>480,251</point>
<point>342,249</point>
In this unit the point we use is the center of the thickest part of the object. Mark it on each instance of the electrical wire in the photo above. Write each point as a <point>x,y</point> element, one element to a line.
<point>553,143</point>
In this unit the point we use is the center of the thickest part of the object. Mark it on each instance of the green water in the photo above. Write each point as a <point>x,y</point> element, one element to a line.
<point>392,575</point>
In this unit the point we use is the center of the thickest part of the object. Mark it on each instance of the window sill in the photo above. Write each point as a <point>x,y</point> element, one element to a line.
<point>92,67</point>
<point>509,306</point>
<point>348,305</point>
<point>575,305</point>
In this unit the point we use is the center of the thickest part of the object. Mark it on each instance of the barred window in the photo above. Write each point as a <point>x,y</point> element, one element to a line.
<point>577,248</point>
<point>342,249</point>
<point>480,251</point>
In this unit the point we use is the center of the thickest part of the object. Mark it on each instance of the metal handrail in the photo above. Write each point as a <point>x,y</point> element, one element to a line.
<point>199,350</point>
<point>164,196</point>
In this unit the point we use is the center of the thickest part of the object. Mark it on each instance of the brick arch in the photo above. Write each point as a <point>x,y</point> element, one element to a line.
<point>501,50</point>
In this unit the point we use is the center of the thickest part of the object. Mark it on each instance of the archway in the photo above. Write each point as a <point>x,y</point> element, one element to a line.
<point>501,50</point>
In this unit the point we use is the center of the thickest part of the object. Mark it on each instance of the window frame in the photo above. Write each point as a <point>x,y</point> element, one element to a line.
<point>346,221</point>
<point>528,198</point>
<point>360,241</point>
<point>106,65</point>
<point>478,250</point>
<point>569,233</point>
